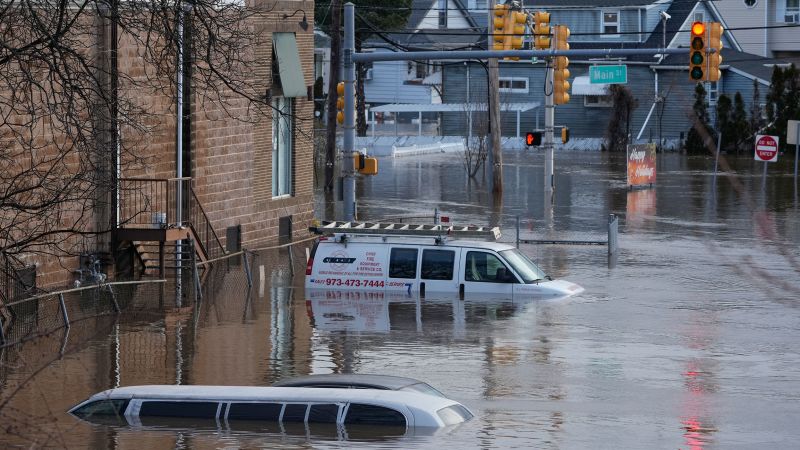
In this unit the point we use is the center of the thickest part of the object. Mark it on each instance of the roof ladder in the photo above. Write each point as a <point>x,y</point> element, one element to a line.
<point>406,229</point>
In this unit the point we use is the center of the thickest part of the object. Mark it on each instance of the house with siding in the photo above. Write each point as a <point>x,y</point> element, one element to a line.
<point>661,85</point>
<point>780,19</point>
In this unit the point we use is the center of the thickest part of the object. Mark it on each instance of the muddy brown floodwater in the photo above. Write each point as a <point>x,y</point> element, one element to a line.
<point>685,339</point>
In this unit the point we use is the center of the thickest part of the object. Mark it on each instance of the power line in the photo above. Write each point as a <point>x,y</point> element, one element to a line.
<point>478,11</point>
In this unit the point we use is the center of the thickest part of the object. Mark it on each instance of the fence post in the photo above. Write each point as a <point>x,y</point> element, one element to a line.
<point>247,269</point>
<point>113,299</point>
<point>198,294</point>
<point>63,309</point>
<point>517,231</point>
<point>613,229</point>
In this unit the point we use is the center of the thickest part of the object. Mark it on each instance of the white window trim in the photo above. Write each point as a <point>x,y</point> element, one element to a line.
<point>285,163</point>
<point>511,81</point>
<point>783,12</point>
<point>603,23</point>
<point>604,101</point>
<point>701,18</point>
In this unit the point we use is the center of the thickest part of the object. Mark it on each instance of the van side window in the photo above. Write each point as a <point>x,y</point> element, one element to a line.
<point>403,263</point>
<point>373,415</point>
<point>486,267</point>
<point>200,410</point>
<point>295,412</point>
<point>255,411</point>
<point>437,264</point>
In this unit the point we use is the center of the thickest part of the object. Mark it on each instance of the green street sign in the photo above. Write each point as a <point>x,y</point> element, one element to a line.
<point>608,74</point>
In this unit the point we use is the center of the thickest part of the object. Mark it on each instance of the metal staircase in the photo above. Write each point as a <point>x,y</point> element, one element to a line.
<point>150,232</point>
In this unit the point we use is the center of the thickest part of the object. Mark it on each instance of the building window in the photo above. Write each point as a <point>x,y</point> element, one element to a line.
<point>282,125</point>
<point>442,13</point>
<point>598,101</point>
<point>791,11</point>
<point>514,85</point>
<point>699,16</point>
<point>750,3</point>
<point>610,23</point>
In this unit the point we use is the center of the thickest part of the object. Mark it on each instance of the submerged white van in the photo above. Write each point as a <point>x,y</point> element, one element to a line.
<point>425,259</point>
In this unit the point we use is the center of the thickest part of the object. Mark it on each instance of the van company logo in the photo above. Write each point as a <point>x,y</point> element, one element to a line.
<point>338,260</point>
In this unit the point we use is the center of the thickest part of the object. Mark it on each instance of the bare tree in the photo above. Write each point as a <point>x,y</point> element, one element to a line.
<point>72,116</point>
<point>476,141</point>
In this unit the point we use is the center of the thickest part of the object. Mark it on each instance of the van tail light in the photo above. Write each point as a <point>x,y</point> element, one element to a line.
<point>309,265</point>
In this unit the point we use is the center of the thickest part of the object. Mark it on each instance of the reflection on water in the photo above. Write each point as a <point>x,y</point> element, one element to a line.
<point>688,341</point>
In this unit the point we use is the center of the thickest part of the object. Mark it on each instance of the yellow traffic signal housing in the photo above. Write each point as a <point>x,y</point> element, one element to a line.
<point>541,30</point>
<point>698,52</point>
<point>564,135</point>
<point>517,28</point>
<point>364,165</point>
<point>340,102</point>
<point>560,63</point>
<point>499,27</point>
<point>714,43</point>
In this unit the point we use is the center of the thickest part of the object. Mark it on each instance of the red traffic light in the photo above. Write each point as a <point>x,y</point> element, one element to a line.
<point>698,28</point>
<point>533,139</point>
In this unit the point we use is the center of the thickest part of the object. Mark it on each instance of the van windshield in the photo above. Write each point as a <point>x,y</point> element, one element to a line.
<point>526,269</point>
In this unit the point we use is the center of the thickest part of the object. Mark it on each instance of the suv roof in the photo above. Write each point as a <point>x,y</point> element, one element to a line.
<point>363,381</point>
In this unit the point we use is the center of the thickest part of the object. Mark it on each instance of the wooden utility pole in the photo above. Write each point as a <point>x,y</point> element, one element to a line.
<point>333,80</point>
<point>496,157</point>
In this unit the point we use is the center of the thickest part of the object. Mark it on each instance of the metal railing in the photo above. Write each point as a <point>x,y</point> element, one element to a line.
<point>152,203</point>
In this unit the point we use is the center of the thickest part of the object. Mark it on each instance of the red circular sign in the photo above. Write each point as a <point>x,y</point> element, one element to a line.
<point>766,148</point>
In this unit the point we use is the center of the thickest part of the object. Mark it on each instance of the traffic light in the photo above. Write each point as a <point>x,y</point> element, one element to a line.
<point>340,102</point>
<point>564,135</point>
<point>541,30</point>
<point>499,27</point>
<point>697,53</point>
<point>533,138</point>
<point>714,42</point>
<point>560,72</point>
<point>516,26</point>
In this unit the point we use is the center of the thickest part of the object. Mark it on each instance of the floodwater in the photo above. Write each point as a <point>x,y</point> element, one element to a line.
<point>687,338</point>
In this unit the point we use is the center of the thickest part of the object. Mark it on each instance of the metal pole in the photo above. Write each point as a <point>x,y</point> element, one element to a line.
<point>796,152</point>
<point>419,125</point>
<point>764,177</point>
<point>517,123</point>
<point>349,113</point>
<point>63,310</point>
<point>247,269</point>
<point>517,231</point>
<point>522,54</point>
<point>716,155</point>
<point>549,122</point>
<point>469,108</point>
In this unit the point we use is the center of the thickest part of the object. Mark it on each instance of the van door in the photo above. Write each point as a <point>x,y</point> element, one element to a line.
<point>482,272</point>
<point>403,273</point>
<point>439,270</point>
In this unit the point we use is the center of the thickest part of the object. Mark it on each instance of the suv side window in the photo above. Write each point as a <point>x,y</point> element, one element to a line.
<point>103,408</point>
<point>255,411</point>
<point>373,415</point>
<point>294,412</point>
<point>437,264</point>
<point>403,263</point>
<point>487,268</point>
<point>198,410</point>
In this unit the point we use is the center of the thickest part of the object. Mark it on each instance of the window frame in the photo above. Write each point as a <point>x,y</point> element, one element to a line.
<point>604,24</point>
<point>282,150</point>
<point>416,262</point>
<point>511,89</point>
<point>442,6</point>
<point>492,279</point>
<point>603,101</point>
<point>426,251</point>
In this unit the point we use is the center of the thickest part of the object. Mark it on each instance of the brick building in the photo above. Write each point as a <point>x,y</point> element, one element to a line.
<point>250,166</point>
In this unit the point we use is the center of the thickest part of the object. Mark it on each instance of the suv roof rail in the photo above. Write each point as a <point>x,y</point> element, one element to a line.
<point>406,229</point>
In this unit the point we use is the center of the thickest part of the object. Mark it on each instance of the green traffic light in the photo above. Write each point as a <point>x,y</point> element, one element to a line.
<point>697,43</point>
<point>696,73</point>
<point>697,58</point>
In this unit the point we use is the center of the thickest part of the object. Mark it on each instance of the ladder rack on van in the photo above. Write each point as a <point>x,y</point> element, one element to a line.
<point>405,229</point>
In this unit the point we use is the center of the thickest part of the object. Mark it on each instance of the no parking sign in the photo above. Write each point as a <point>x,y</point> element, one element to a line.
<point>766,148</point>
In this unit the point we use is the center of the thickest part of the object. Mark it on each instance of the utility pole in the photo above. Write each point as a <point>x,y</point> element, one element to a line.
<point>496,158</point>
<point>348,168</point>
<point>549,122</point>
<point>330,108</point>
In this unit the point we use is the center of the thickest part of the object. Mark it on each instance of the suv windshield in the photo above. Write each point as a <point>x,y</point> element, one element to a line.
<point>526,269</point>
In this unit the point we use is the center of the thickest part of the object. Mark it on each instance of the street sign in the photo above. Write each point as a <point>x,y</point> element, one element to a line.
<point>792,131</point>
<point>608,74</point>
<point>766,148</point>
